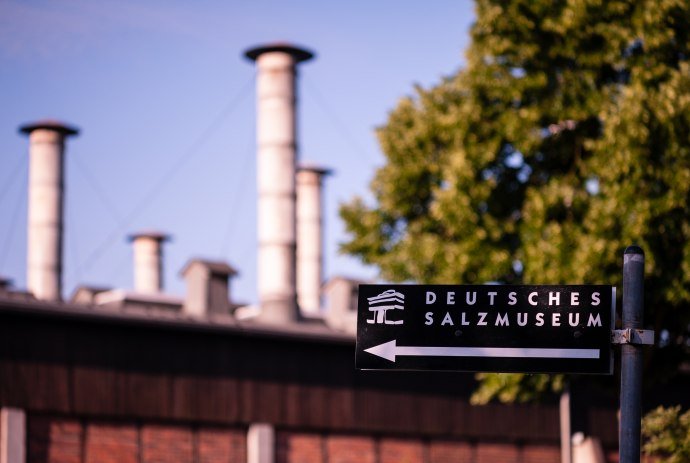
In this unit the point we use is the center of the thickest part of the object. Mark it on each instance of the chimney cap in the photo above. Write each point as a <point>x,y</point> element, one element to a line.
<point>49,124</point>
<point>214,266</point>
<point>300,54</point>
<point>153,234</point>
<point>311,167</point>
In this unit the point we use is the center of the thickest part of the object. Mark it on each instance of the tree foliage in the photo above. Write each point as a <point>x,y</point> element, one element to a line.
<point>563,140</point>
<point>667,434</point>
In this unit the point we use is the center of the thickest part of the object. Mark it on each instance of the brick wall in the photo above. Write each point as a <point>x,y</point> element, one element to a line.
<point>111,443</point>
<point>305,448</point>
<point>295,447</point>
<point>401,451</point>
<point>64,440</point>
<point>53,439</point>
<point>442,451</point>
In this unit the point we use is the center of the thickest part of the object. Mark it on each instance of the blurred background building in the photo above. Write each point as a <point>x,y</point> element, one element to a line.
<point>138,375</point>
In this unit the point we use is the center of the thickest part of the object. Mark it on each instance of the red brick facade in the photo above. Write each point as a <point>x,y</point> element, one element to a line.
<point>53,439</point>
<point>315,448</point>
<point>111,443</point>
<point>64,440</point>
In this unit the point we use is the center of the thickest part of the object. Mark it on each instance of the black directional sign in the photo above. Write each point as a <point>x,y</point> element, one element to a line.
<point>498,328</point>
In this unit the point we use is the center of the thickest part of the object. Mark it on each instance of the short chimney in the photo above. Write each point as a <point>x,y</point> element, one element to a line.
<point>208,288</point>
<point>276,159</point>
<point>46,203</point>
<point>309,238</point>
<point>148,261</point>
<point>5,284</point>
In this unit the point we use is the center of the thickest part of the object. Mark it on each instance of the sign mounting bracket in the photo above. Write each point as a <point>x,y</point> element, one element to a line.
<point>633,336</point>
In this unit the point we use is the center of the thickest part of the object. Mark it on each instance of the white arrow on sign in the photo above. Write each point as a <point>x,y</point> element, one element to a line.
<point>390,350</point>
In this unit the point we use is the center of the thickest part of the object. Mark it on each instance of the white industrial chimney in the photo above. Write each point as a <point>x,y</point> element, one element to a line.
<point>148,261</point>
<point>309,238</point>
<point>46,203</point>
<point>276,159</point>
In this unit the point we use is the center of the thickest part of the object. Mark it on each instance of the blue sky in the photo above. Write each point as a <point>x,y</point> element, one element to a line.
<point>166,105</point>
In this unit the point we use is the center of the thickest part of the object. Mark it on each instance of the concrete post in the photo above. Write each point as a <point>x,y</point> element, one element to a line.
<point>309,238</point>
<point>12,435</point>
<point>565,425</point>
<point>260,443</point>
<point>587,450</point>
<point>46,202</point>
<point>276,158</point>
<point>148,261</point>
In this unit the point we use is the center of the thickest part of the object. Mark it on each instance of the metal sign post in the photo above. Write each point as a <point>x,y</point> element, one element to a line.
<point>631,354</point>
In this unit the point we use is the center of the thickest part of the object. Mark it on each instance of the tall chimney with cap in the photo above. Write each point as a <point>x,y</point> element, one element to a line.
<point>46,204</point>
<point>148,261</point>
<point>276,159</point>
<point>309,238</point>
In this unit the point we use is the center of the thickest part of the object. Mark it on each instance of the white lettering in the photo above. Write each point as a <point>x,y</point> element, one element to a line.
<point>594,321</point>
<point>502,321</point>
<point>574,298</point>
<point>463,321</point>
<point>447,320</point>
<point>429,318</point>
<point>430,297</point>
<point>554,298</point>
<point>450,298</point>
<point>574,321</point>
<point>556,319</point>
<point>532,295</point>
<point>474,298</point>
<point>511,298</point>
<point>492,294</point>
<point>482,316</point>
<point>540,319</point>
<point>522,322</point>
<point>595,299</point>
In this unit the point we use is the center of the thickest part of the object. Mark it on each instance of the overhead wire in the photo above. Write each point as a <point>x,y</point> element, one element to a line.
<point>239,195</point>
<point>119,268</point>
<point>182,159</point>
<point>335,120</point>
<point>73,241</point>
<point>14,216</point>
<point>100,192</point>
<point>12,177</point>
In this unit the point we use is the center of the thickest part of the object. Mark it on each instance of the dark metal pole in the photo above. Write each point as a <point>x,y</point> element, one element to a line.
<point>631,356</point>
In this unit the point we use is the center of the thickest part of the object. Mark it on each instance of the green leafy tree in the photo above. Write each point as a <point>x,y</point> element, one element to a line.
<point>562,141</point>
<point>667,434</point>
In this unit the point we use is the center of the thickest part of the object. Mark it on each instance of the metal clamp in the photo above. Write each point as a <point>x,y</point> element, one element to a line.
<point>633,336</point>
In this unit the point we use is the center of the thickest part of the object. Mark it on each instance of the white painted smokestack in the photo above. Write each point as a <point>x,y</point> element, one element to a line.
<point>276,159</point>
<point>309,238</point>
<point>148,261</point>
<point>46,204</point>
